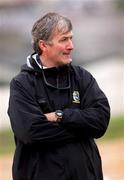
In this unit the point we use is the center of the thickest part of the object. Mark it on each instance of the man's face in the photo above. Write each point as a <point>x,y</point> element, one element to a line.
<point>59,51</point>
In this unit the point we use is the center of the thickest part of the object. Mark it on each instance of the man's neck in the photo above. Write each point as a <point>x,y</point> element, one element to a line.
<point>45,62</point>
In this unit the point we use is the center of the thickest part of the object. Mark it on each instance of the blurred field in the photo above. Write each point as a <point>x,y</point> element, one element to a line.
<point>112,153</point>
<point>111,148</point>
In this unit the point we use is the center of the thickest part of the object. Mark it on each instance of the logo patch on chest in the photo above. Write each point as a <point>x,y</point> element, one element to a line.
<point>76,97</point>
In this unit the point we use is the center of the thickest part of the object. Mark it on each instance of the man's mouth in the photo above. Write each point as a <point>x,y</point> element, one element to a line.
<point>67,54</point>
<point>67,57</point>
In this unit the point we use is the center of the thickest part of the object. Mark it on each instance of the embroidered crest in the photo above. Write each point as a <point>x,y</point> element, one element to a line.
<point>76,97</point>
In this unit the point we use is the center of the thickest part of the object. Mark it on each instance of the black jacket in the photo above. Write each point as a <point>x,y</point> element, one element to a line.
<point>57,151</point>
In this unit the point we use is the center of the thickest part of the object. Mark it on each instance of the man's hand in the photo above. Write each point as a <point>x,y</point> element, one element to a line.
<point>51,117</point>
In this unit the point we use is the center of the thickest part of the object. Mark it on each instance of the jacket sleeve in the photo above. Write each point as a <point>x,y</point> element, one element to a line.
<point>28,121</point>
<point>92,119</point>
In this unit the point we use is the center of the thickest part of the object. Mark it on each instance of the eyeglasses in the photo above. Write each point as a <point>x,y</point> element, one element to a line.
<point>57,85</point>
<point>41,70</point>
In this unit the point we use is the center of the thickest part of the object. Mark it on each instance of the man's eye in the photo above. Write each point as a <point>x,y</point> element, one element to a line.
<point>64,39</point>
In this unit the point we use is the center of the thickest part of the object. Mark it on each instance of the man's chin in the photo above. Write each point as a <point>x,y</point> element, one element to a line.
<point>65,62</point>
<point>68,61</point>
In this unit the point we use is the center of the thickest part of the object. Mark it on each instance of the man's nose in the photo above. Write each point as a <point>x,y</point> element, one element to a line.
<point>70,45</point>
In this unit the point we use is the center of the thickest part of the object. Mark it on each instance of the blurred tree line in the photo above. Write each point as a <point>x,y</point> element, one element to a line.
<point>120,5</point>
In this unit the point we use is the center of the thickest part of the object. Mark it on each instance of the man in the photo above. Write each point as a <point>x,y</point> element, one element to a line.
<point>56,110</point>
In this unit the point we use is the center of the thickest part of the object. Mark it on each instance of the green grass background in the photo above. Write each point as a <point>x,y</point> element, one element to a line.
<point>115,130</point>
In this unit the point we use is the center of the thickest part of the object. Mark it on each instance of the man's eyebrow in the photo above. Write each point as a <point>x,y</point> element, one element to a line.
<point>68,36</point>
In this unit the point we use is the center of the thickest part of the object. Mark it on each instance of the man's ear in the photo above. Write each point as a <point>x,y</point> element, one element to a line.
<point>42,45</point>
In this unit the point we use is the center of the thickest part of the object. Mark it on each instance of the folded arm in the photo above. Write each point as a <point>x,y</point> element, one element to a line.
<point>92,119</point>
<point>28,122</point>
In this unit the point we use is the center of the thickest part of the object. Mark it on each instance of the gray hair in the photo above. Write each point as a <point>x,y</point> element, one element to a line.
<point>45,27</point>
